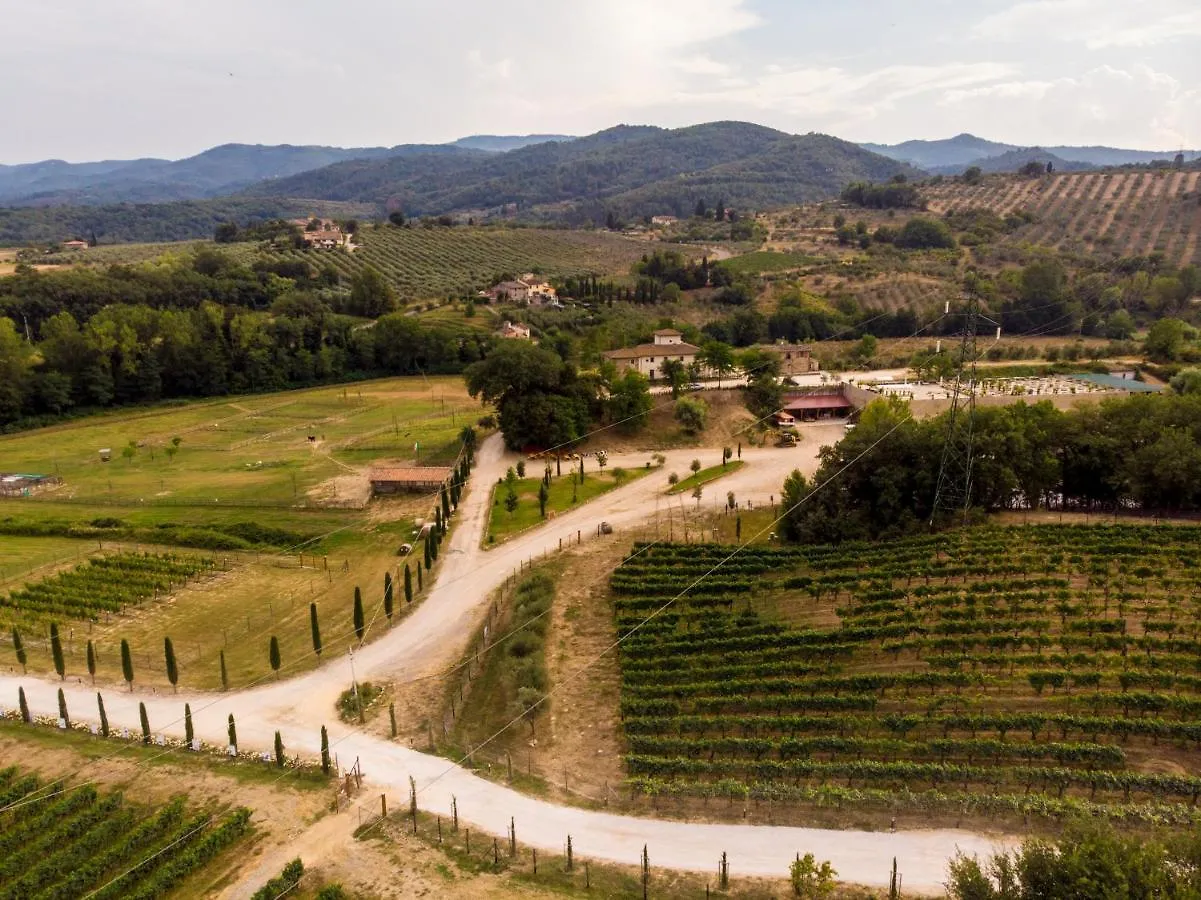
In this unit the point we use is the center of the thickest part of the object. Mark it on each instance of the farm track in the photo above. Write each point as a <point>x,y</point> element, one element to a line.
<point>435,634</point>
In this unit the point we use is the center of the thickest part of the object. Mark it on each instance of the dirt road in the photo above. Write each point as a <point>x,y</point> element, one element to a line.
<point>435,635</point>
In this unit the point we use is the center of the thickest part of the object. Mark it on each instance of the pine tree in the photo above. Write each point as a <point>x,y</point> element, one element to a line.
<point>388,595</point>
<point>315,629</point>
<point>224,674</point>
<point>408,584</point>
<point>360,621</point>
<point>103,715</point>
<point>232,730</point>
<point>273,655</point>
<point>126,663</point>
<point>145,723</point>
<point>92,662</point>
<point>189,735</point>
<point>62,709</point>
<point>325,762</point>
<point>172,668</point>
<point>19,647</point>
<point>279,751</point>
<point>56,650</point>
<point>21,702</point>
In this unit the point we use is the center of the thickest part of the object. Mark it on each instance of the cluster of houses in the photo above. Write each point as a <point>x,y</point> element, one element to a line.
<point>668,345</point>
<point>528,290</point>
<point>322,234</point>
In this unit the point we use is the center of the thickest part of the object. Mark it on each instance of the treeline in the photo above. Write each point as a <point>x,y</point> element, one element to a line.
<point>1140,453</point>
<point>897,194</point>
<point>87,339</point>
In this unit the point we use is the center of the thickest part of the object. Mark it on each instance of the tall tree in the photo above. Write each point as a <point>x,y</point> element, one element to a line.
<point>19,647</point>
<point>172,667</point>
<point>273,655</point>
<point>56,650</point>
<point>315,629</point>
<point>126,663</point>
<point>360,621</point>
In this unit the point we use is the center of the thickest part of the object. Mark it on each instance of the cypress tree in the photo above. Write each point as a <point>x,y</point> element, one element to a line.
<point>408,584</point>
<point>315,629</point>
<point>145,723</point>
<point>273,655</point>
<point>92,662</point>
<point>126,663</point>
<point>360,622</point>
<point>325,763</point>
<point>188,734</point>
<point>232,730</point>
<point>21,702</point>
<point>62,708</point>
<point>19,647</point>
<point>388,595</point>
<point>103,715</point>
<point>56,649</point>
<point>279,751</point>
<point>224,675</point>
<point>172,668</point>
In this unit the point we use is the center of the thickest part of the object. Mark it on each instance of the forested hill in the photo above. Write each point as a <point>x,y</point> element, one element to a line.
<point>628,170</point>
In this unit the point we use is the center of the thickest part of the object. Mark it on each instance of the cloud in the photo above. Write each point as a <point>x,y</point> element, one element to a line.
<point>1138,106</point>
<point>1098,24</point>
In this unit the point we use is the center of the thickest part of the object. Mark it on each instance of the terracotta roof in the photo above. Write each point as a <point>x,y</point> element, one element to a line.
<point>653,350</point>
<point>410,474</point>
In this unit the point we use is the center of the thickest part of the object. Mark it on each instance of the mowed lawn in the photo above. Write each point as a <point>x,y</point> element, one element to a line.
<point>253,450</point>
<point>564,494</point>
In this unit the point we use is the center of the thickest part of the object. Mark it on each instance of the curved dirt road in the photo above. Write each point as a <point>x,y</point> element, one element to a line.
<point>435,636</point>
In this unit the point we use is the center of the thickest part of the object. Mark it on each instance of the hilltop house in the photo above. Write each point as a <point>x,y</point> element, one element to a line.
<point>649,358</point>
<point>515,330</point>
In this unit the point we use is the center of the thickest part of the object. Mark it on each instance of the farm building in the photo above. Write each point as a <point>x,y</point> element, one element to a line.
<point>823,403</point>
<point>21,485</point>
<point>401,479</point>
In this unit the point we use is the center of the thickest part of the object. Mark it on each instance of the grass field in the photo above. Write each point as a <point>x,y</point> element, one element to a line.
<point>704,476</point>
<point>997,672</point>
<point>281,516</point>
<point>565,493</point>
<point>82,842</point>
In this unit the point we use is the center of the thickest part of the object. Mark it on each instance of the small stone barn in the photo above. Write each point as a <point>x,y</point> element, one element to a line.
<point>402,479</point>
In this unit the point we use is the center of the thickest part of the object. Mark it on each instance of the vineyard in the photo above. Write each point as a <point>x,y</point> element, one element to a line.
<point>1107,213</point>
<point>1036,670</point>
<point>432,263</point>
<point>105,584</point>
<point>60,843</point>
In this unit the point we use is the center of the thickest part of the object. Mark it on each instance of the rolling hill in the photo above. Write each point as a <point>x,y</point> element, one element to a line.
<point>629,170</point>
<point>952,155</point>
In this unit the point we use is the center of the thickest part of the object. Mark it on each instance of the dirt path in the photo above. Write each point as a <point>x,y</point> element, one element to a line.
<point>435,635</point>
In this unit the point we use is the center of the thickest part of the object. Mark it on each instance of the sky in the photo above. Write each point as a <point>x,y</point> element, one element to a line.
<point>137,78</point>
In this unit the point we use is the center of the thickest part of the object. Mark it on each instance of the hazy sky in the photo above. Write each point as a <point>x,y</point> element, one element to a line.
<point>128,78</point>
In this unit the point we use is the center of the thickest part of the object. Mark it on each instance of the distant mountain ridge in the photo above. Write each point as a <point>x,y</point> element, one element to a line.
<point>952,155</point>
<point>628,171</point>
